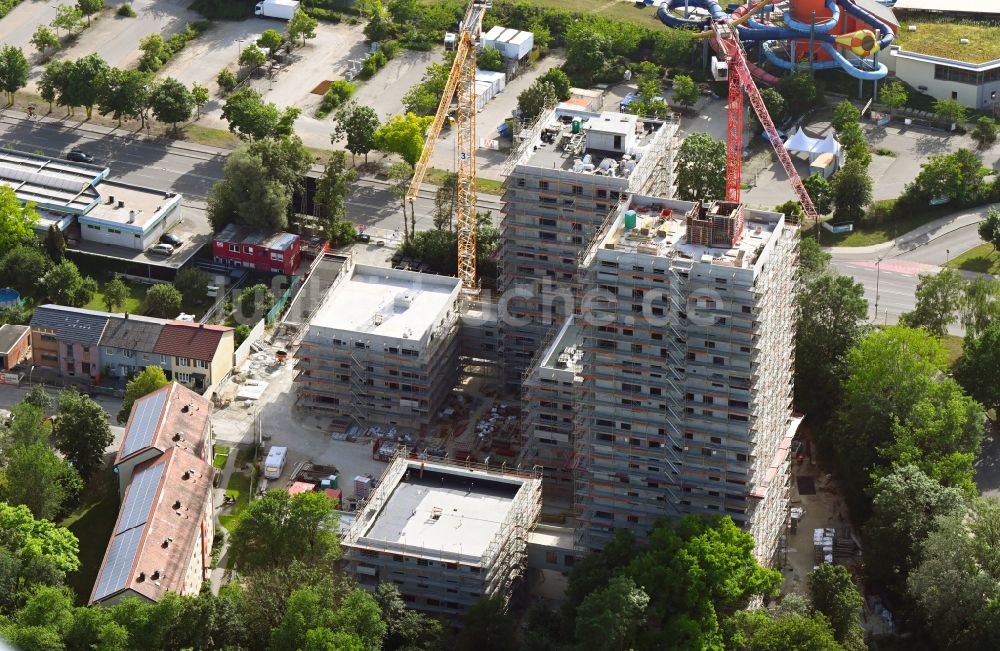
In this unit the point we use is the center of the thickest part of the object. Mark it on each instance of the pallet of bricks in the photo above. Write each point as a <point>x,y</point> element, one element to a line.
<point>823,545</point>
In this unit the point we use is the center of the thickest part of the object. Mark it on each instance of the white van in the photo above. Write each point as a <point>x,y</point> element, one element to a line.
<point>275,462</point>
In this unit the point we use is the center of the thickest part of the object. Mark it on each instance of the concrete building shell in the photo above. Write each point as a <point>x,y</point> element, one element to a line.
<point>446,534</point>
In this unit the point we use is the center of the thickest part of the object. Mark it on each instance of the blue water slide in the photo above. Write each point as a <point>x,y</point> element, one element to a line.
<point>857,68</point>
<point>820,28</point>
<point>670,20</point>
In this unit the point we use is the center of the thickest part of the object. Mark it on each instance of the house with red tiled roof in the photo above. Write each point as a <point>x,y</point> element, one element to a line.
<point>170,417</point>
<point>200,355</point>
<point>162,539</point>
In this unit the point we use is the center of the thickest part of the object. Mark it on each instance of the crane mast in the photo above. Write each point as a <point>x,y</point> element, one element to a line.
<point>461,85</point>
<point>741,82</point>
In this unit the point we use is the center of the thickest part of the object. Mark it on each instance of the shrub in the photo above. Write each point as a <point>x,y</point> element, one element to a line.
<point>390,49</point>
<point>372,64</point>
<point>226,80</point>
<point>339,92</point>
<point>125,11</point>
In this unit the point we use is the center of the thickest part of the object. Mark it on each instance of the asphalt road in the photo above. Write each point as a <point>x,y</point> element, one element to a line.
<point>192,169</point>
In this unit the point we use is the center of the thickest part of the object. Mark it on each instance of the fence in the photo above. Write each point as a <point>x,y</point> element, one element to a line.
<point>279,305</point>
<point>244,350</point>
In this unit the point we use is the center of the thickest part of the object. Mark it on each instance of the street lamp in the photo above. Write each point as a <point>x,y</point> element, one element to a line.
<point>878,271</point>
<point>240,41</point>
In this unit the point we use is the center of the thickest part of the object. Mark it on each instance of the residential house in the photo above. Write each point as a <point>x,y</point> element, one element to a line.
<point>15,345</point>
<point>67,339</point>
<point>267,251</point>
<point>128,343</point>
<point>200,355</point>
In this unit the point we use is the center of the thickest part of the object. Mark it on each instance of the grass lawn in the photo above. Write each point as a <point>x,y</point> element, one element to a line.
<point>221,456</point>
<point>981,258</point>
<point>953,345</point>
<point>614,9</point>
<point>867,234</point>
<point>239,488</point>
<point>211,137</point>
<point>134,304</point>
<point>940,36</point>
<point>435,176</point>
<point>92,523</point>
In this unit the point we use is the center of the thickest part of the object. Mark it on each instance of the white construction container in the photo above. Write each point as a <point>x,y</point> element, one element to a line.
<point>520,45</point>
<point>484,93</point>
<point>496,79</point>
<point>513,44</point>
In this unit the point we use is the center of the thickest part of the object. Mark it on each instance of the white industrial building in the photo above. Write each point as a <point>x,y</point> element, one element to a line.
<point>513,44</point>
<point>445,534</point>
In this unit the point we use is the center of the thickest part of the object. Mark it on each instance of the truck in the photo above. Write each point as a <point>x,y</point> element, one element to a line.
<point>281,9</point>
<point>274,464</point>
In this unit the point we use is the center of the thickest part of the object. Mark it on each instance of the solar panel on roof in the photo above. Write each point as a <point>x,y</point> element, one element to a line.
<point>139,501</point>
<point>118,566</point>
<point>145,418</point>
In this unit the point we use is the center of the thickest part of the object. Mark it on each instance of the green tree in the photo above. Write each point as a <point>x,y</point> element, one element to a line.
<point>939,298</point>
<point>116,292</point>
<point>797,632</point>
<point>423,98</point>
<point>251,118</point>
<point>37,540</point>
<point>701,168</point>
<point>55,246</point>
<point>171,102</point>
<point>820,192</point>
<point>886,374</point>
<point>833,593</point>
<point>844,113</point>
<point>269,40</point>
<point>252,57</point>
<point>64,285</point>
<point>192,283</point>
<point>164,300</point>
<point>686,92</point>
<point>311,622</point>
<point>587,51</point>
<point>89,7</point>
<point>256,189</point>
<point>559,80</point>
<point>487,628</point>
<point>302,25</point>
<point>672,47</point>
<point>852,191</point>
<point>980,304</point>
<point>17,220</point>
<point>610,618</point>
<point>82,432</point>
<point>985,131</point>
<point>21,268</point>
<point>33,475</point>
<point>83,82</point>
<point>278,528</point>
<point>39,398</point>
<point>67,17</point>
<point>905,505</point>
<point>850,134</point>
<point>957,581</point>
<point>830,313</point>
<point>199,96</point>
<point>154,52</point>
<point>332,190</point>
<point>536,98</point>
<point>226,80</point>
<point>358,125</point>
<point>403,135</point>
<point>25,425</point>
<point>989,228</point>
<point>44,39</point>
<point>950,111</point>
<point>400,175</point>
<point>813,260</point>
<point>979,368</point>
<point>123,93</point>
<point>51,83</point>
<point>13,71</point>
<point>894,95</point>
<point>799,92</point>
<point>406,630</point>
<point>774,103</point>
<point>149,380</point>
<point>958,176</point>
<point>256,301</point>
<point>490,59</point>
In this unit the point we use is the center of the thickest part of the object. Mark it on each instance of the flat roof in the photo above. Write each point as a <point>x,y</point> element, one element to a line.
<point>50,181</point>
<point>565,353</point>
<point>556,146</point>
<point>387,302</point>
<point>239,234</point>
<point>146,204</point>
<point>664,221</point>
<point>939,36</point>
<point>444,512</point>
<point>964,6</point>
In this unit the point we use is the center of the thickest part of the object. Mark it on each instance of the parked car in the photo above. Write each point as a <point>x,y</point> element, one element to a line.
<point>77,155</point>
<point>171,239</point>
<point>161,249</point>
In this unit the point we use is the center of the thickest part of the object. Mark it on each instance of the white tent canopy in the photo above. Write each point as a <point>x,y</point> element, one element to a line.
<point>799,142</point>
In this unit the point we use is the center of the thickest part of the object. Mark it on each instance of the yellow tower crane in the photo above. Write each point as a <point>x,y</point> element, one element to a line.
<point>461,82</point>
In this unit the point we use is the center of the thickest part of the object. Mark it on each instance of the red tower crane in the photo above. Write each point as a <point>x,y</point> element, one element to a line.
<point>740,82</point>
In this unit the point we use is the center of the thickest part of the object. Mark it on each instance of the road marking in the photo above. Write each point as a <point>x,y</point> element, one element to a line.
<point>903,267</point>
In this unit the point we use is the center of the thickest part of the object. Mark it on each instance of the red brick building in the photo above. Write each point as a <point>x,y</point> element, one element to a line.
<point>269,251</point>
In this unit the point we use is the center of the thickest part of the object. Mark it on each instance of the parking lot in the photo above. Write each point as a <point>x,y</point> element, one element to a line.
<point>202,59</point>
